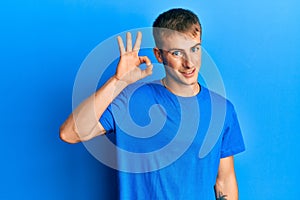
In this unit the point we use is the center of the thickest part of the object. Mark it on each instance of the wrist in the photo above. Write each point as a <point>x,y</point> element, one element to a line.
<point>119,83</point>
<point>116,77</point>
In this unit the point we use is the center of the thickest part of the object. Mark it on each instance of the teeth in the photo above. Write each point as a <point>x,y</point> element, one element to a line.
<point>189,72</point>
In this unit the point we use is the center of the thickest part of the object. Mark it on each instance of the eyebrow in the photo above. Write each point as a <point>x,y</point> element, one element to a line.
<point>196,44</point>
<point>175,49</point>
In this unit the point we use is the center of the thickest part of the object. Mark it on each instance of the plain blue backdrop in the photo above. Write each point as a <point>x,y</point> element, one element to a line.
<point>255,45</point>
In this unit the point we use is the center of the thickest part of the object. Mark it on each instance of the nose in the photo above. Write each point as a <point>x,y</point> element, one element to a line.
<point>187,61</point>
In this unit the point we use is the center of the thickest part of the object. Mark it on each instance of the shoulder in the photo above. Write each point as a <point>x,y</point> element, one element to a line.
<point>139,92</point>
<point>216,100</point>
<point>142,88</point>
<point>214,96</point>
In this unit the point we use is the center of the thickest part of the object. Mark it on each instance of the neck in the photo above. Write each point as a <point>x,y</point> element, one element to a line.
<point>181,89</point>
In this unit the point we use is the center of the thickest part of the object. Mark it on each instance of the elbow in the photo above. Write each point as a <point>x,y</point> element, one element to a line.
<point>68,136</point>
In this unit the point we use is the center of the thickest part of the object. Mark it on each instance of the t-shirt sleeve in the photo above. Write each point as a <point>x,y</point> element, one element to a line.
<point>232,141</point>
<point>107,120</point>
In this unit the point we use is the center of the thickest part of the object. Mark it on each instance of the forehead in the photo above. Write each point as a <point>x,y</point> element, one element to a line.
<point>177,40</point>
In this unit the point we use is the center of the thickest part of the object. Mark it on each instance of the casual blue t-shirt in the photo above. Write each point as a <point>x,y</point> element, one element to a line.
<point>170,146</point>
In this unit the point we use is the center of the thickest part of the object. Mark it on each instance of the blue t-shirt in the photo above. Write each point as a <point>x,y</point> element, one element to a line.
<point>170,146</point>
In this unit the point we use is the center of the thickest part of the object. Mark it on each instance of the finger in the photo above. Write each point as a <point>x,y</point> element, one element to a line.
<point>148,70</point>
<point>128,42</point>
<point>138,41</point>
<point>121,45</point>
<point>145,59</point>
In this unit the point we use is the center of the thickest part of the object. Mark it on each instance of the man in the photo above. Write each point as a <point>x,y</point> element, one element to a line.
<point>180,102</point>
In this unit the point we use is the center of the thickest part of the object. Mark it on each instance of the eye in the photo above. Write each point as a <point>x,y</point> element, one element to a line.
<point>177,53</point>
<point>196,48</point>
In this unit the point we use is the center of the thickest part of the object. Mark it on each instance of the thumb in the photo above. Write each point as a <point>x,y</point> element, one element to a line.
<point>148,70</point>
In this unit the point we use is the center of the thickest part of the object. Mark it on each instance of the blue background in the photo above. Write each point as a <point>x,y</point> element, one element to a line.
<point>254,43</point>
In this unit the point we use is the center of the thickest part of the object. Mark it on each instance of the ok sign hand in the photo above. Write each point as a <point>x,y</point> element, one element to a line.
<point>128,69</point>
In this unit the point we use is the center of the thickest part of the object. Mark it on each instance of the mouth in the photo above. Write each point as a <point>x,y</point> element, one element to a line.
<point>189,74</point>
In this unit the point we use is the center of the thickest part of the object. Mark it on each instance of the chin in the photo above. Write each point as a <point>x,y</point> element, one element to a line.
<point>193,81</point>
<point>190,83</point>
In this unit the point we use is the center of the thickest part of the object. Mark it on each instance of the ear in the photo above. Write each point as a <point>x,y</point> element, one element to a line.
<point>157,54</point>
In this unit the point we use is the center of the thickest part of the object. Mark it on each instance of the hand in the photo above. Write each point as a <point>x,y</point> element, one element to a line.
<point>128,69</point>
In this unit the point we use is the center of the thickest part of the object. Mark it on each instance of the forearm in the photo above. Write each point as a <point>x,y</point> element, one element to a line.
<point>83,124</point>
<point>226,189</point>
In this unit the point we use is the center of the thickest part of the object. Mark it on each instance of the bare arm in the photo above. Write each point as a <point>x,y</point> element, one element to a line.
<point>83,124</point>
<point>226,185</point>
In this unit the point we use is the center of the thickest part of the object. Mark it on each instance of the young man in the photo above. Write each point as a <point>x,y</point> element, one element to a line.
<point>177,104</point>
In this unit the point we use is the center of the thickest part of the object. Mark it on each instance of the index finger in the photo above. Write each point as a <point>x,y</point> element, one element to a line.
<point>121,45</point>
<point>138,41</point>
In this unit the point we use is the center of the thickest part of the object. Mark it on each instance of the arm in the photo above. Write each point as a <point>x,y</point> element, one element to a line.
<point>83,124</point>
<point>226,185</point>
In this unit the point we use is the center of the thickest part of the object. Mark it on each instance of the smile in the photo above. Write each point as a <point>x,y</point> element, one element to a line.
<point>189,74</point>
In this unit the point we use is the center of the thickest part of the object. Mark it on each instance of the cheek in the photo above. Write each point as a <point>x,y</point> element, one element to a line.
<point>172,68</point>
<point>172,63</point>
<point>197,60</point>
